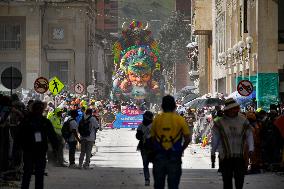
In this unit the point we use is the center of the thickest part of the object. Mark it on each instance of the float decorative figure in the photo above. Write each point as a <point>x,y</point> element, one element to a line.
<point>137,64</point>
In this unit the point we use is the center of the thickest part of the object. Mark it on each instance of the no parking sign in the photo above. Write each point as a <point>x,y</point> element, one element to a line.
<point>245,88</point>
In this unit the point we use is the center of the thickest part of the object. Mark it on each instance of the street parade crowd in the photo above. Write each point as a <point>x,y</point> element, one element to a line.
<point>267,129</point>
<point>29,126</point>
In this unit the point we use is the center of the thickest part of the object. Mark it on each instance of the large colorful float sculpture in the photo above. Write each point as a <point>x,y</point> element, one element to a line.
<point>137,65</point>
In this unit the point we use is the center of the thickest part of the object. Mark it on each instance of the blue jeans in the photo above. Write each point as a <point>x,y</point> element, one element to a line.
<point>145,165</point>
<point>167,165</point>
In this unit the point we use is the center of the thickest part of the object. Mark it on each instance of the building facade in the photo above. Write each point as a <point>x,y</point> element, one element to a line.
<point>107,15</point>
<point>50,38</point>
<point>202,29</point>
<point>182,77</point>
<point>248,45</point>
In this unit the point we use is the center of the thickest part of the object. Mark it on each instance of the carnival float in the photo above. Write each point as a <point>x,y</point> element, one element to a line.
<point>137,73</point>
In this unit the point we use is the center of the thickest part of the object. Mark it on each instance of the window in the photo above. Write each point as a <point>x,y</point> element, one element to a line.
<point>10,36</point>
<point>60,70</point>
<point>220,34</point>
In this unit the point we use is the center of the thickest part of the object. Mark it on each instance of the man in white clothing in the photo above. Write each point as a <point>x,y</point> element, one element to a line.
<point>230,134</point>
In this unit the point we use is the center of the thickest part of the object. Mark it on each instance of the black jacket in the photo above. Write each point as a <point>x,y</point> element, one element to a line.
<point>31,126</point>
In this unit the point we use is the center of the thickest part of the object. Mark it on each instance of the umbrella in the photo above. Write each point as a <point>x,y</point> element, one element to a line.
<point>184,91</point>
<point>204,102</point>
<point>279,122</point>
<point>189,98</point>
<point>243,100</point>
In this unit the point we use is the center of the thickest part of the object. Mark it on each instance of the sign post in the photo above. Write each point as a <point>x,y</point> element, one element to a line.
<point>11,78</point>
<point>55,86</point>
<point>79,88</point>
<point>245,88</point>
<point>41,85</point>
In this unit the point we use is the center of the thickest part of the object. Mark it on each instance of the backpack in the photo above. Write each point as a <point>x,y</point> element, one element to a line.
<point>84,127</point>
<point>66,133</point>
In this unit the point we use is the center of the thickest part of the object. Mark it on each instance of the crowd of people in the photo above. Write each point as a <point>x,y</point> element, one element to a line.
<point>27,125</point>
<point>65,121</point>
<point>246,142</point>
<point>268,139</point>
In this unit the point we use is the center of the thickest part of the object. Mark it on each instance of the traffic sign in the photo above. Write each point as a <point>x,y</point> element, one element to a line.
<point>55,86</point>
<point>91,89</point>
<point>41,85</point>
<point>245,88</point>
<point>11,78</point>
<point>79,88</point>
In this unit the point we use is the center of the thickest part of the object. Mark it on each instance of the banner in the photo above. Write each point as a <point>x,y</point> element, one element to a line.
<point>128,118</point>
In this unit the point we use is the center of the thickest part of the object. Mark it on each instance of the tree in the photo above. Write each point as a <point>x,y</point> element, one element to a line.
<point>173,38</point>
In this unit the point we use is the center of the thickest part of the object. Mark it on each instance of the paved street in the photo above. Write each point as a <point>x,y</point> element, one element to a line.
<point>117,164</point>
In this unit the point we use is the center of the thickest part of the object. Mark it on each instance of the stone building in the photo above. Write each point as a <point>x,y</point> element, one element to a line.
<point>51,38</point>
<point>182,78</point>
<point>202,29</point>
<point>248,44</point>
<point>107,15</point>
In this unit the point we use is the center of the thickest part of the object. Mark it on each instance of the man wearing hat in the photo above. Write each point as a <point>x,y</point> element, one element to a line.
<point>230,134</point>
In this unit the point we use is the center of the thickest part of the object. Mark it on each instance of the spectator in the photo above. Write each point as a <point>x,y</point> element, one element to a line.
<point>230,130</point>
<point>171,137</point>
<point>88,138</point>
<point>143,135</point>
<point>34,133</point>
<point>74,138</point>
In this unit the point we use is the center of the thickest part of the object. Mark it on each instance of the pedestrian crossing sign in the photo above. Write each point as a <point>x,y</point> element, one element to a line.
<point>55,85</point>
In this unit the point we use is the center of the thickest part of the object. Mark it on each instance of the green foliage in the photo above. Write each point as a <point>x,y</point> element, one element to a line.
<point>173,39</point>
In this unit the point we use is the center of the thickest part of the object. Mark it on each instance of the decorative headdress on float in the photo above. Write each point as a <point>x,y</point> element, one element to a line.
<point>136,49</point>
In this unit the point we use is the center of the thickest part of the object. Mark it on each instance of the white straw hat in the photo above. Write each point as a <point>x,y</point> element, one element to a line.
<point>230,103</point>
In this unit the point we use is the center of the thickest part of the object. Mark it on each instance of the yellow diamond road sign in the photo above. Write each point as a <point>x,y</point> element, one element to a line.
<point>55,86</point>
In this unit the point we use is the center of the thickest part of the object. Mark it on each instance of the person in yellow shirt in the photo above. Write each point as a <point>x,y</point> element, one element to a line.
<point>170,135</point>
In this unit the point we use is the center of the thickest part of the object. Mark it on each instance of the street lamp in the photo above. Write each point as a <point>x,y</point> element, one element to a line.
<point>249,41</point>
<point>230,52</point>
<point>241,46</point>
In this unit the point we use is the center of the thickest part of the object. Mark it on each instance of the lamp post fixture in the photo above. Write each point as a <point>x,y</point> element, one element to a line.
<point>241,46</point>
<point>249,41</point>
<point>237,55</point>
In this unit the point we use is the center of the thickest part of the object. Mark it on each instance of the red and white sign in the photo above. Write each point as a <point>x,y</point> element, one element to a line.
<point>79,88</point>
<point>130,112</point>
<point>41,85</point>
<point>245,88</point>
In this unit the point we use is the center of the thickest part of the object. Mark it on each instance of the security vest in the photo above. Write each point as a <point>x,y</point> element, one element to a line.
<point>56,122</point>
